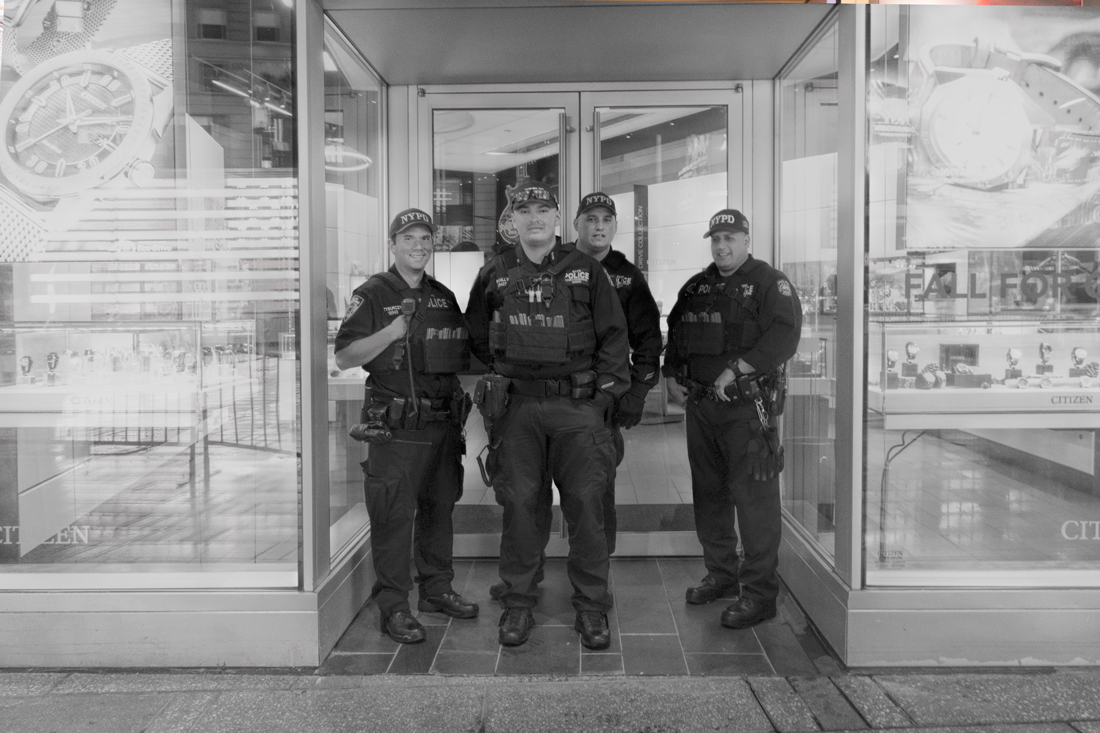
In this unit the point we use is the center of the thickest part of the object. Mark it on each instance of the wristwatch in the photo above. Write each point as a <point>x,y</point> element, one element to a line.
<point>980,109</point>
<point>87,119</point>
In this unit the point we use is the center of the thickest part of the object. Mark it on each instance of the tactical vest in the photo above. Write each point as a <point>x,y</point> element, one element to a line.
<point>535,323</point>
<point>715,322</point>
<point>438,340</point>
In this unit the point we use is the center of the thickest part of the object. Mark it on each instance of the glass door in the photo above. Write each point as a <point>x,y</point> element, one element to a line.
<point>481,146</point>
<point>665,157</point>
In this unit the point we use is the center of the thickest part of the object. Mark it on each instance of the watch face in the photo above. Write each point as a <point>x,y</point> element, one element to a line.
<point>976,131</point>
<point>75,122</point>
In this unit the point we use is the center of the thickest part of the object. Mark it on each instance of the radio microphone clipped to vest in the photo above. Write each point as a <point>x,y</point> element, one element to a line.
<point>408,309</point>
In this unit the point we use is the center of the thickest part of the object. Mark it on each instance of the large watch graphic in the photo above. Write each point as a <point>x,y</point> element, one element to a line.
<point>982,107</point>
<point>86,119</point>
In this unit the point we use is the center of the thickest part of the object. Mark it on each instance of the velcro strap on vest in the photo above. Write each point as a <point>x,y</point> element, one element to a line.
<point>541,387</point>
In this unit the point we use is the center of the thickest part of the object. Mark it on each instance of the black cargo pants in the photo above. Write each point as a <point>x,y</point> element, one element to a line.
<point>568,440</point>
<point>722,488</point>
<point>412,484</point>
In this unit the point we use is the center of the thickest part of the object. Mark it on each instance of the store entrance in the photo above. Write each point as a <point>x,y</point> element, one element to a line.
<point>664,156</point>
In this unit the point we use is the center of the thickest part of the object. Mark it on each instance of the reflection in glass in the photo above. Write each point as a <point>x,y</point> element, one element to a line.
<point>155,306</point>
<point>808,255</point>
<point>982,458</point>
<point>357,248</point>
<point>666,169</point>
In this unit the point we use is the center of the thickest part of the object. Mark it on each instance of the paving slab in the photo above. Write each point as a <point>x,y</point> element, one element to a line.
<point>829,706</point>
<point>80,683</point>
<point>872,702</point>
<point>86,713</point>
<point>961,699</point>
<point>439,708</point>
<point>28,684</point>
<point>1087,726</point>
<point>783,705</point>
<point>181,713</point>
<point>639,705</point>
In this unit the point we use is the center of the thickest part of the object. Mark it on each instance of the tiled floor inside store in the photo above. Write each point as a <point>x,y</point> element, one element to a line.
<point>654,632</point>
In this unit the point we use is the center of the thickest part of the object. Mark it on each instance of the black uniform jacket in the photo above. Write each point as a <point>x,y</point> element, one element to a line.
<point>374,305</point>
<point>610,360</point>
<point>778,320</point>
<point>643,320</point>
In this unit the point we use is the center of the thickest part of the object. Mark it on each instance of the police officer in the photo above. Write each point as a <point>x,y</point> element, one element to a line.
<point>596,223</point>
<point>545,317</point>
<point>732,329</point>
<point>406,330</point>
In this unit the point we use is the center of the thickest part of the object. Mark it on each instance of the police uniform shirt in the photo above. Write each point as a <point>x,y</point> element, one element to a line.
<point>643,317</point>
<point>374,305</point>
<point>610,360</point>
<point>779,320</point>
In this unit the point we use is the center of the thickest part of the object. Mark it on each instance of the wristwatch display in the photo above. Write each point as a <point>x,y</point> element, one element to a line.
<point>1078,355</point>
<point>1013,356</point>
<point>982,106</point>
<point>1044,366</point>
<point>87,119</point>
<point>909,368</point>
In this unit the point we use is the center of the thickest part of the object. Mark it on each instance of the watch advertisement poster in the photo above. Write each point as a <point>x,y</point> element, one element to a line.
<point>86,97</point>
<point>986,125</point>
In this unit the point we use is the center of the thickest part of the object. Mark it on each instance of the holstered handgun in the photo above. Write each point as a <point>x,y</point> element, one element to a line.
<point>582,385</point>
<point>491,398</point>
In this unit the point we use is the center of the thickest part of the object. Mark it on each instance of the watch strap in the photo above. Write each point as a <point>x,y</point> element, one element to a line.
<point>155,56</point>
<point>1037,76</point>
<point>52,42</point>
<point>22,237</point>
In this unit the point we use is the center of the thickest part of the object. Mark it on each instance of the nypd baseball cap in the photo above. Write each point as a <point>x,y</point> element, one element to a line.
<point>728,220</point>
<point>594,200</point>
<point>533,191</point>
<point>408,218</point>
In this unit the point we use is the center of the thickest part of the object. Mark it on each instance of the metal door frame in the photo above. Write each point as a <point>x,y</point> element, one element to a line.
<point>579,176</point>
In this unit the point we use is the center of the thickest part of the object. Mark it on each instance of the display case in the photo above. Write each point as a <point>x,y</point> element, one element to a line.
<point>994,374</point>
<point>84,394</point>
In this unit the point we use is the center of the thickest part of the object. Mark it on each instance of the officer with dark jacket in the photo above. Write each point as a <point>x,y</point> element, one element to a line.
<point>731,331</point>
<point>406,330</point>
<point>545,317</point>
<point>596,223</point>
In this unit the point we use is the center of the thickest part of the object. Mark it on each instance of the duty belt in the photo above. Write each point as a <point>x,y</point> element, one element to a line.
<point>698,391</point>
<point>541,387</point>
<point>400,414</point>
<point>578,386</point>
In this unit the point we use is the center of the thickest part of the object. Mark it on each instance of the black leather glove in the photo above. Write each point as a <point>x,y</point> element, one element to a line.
<point>629,412</point>
<point>764,455</point>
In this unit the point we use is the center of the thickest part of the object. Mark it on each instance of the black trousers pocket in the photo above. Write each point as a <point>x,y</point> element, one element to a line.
<point>383,498</point>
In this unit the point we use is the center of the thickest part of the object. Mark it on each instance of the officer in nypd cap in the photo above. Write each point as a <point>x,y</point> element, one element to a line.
<point>732,329</point>
<point>545,318</point>
<point>405,329</point>
<point>596,223</point>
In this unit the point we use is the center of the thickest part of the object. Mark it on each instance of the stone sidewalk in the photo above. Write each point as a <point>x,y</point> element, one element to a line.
<point>1012,701</point>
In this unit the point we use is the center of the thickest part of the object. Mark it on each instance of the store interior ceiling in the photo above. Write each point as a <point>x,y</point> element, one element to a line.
<point>440,42</point>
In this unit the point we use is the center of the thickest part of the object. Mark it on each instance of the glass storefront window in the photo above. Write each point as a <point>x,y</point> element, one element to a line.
<point>149,420</point>
<point>983,397</point>
<point>354,111</point>
<point>807,253</point>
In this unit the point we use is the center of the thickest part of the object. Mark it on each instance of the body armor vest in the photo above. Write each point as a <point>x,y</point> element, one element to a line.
<point>535,323</point>
<point>716,322</point>
<point>438,340</point>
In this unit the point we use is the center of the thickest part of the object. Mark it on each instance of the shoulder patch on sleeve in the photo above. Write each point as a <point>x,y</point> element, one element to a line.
<point>356,301</point>
<point>784,288</point>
